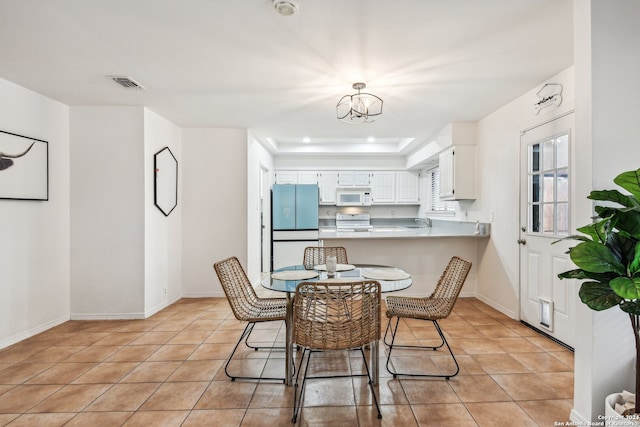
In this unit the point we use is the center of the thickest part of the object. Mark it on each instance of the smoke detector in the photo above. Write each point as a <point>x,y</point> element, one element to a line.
<point>285,7</point>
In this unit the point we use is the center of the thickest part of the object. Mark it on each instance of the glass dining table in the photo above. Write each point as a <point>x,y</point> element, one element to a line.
<point>286,279</point>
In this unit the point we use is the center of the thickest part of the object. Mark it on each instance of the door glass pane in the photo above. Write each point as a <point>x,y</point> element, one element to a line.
<point>562,151</point>
<point>562,212</point>
<point>548,180</point>
<point>548,162</point>
<point>534,216</point>
<point>535,189</point>
<point>547,192</point>
<point>562,185</point>
<point>548,222</point>
<point>534,158</point>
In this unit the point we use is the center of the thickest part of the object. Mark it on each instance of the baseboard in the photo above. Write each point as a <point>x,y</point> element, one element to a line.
<point>108,316</point>
<point>578,419</point>
<point>32,331</point>
<point>203,295</point>
<point>497,306</point>
<point>160,307</point>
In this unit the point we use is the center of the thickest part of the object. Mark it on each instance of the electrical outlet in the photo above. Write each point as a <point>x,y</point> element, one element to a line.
<point>165,291</point>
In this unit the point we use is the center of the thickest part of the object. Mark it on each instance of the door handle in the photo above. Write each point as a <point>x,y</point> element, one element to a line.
<point>522,242</point>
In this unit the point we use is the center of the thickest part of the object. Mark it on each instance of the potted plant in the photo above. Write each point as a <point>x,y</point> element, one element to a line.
<point>608,257</point>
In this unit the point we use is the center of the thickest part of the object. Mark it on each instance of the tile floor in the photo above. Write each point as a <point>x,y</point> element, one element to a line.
<point>166,371</point>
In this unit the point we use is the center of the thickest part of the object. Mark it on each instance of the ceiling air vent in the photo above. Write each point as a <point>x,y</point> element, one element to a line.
<point>127,82</point>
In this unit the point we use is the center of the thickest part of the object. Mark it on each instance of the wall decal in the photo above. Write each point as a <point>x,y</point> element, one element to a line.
<point>24,167</point>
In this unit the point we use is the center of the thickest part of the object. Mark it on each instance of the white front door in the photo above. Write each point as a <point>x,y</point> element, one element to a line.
<point>546,302</point>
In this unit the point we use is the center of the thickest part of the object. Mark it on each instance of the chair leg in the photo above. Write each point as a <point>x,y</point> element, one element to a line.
<point>297,397</point>
<point>373,391</point>
<point>245,336</point>
<point>391,345</point>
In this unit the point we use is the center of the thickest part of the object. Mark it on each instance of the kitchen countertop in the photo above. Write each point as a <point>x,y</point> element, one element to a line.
<point>440,229</point>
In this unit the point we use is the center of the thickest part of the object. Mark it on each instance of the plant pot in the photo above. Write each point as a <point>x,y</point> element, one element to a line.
<point>612,418</point>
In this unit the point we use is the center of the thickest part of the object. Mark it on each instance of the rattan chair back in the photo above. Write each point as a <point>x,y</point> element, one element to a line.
<point>244,302</point>
<point>336,316</point>
<point>448,288</point>
<point>315,255</point>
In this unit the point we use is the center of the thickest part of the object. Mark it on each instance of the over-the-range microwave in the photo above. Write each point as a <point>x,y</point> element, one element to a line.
<point>353,197</point>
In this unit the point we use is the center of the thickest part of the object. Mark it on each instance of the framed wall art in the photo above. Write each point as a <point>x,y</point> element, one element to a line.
<point>165,166</point>
<point>24,167</point>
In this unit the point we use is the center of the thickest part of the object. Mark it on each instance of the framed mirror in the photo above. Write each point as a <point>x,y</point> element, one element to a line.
<point>165,168</point>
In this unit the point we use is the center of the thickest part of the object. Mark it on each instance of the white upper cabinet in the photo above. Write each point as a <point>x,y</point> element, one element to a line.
<point>457,173</point>
<point>383,188</point>
<point>327,184</point>
<point>407,187</point>
<point>307,177</point>
<point>353,179</point>
<point>286,177</point>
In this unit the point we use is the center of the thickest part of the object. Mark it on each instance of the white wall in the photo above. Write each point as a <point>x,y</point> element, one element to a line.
<point>214,209</point>
<point>34,248</point>
<point>163,234</point>
<point>258,158</point>
<point>607,88</point>
<point>107,212</point>
<point>498,150</point>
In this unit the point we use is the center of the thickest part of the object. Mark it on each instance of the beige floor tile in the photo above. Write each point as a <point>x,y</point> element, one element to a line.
<point>62,373</point>
<point>196,370</point>
<point>443,415</point>
<point>548,412</point>
<point>123,397</point>
<point>172,352</point>
<point>21,372</point>
<point>175,396</point>
<point>23,397</point>
<point>421,391</point>
<point>106,372</point>
<point>97,419</point>
<point>151,372</point>
<point>499,363</point>
<point>478,388</point>
<point>157,419</point>
<point>71,398</point>
<point>526,387</point>
<point>49,420</point>
<point>169,370</point>
<point>267,417</point>
<point>499,414</point>
<point>337,416</point>
<point>227,395</point>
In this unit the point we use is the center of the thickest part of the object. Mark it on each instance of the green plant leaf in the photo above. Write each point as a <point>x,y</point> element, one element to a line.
<point>596,258</point>
<point>573,237</point>
<point>580,274</point>
<point>598,296</point>
<point>634,265</point>
<point>632,307</point>
<point>626,288</point>
<point>628,221</point>
<point>613,196</point>
<point>630,181</point>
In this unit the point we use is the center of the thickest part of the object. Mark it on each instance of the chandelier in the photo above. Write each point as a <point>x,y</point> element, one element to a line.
<point>360,107</point>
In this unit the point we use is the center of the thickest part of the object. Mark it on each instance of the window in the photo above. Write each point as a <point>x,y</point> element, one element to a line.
<point>435,204</point>
<point>548,198</point>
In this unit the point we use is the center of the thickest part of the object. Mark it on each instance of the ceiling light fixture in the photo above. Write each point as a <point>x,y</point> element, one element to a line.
<point>285,7</point>
<point>360,107</point>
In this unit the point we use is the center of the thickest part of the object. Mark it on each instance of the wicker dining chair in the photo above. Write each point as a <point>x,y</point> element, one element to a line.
<point>247,307</point>
<point>334,316</point>
<point>315,255</point>
<point>433,308</point>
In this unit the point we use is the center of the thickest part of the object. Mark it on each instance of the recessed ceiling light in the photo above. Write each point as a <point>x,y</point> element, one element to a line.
<point>306,139</point>
<point>285,7</point>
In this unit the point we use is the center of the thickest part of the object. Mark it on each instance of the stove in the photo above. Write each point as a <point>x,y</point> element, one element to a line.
<point>353,222</point>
